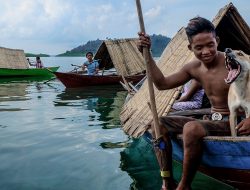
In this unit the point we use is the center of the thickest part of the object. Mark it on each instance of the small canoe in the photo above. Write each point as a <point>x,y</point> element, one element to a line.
<point>30,72</point>
<point>73,80</point>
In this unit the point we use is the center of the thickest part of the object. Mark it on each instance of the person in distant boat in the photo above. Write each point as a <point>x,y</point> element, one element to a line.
<point>37,64</point>
<point>91,64</point>
<point>191,97</point>
<point>208,68</point>
<point>29,61</point>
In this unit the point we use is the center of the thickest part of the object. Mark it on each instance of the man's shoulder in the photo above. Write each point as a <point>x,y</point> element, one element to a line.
<point>221,55</point>
<point>193,67</point>
<point>193,64</point>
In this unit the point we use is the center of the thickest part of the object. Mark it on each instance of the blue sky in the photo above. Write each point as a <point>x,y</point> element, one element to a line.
<point>54,26</point>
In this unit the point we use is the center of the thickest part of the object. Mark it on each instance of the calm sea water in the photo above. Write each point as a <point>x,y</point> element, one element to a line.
<point>57,139</point>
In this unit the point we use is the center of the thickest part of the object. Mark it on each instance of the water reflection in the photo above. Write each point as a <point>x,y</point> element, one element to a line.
<point>107,145</point>
<point>105,101</point>
<point>10,92</point>
<point>18,89</point>
<point>139,161</point>
<point>25,79</point>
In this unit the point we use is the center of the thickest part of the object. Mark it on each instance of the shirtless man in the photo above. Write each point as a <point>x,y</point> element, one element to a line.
<point>209,70</point>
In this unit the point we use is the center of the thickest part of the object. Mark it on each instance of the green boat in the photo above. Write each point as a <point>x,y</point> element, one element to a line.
<point>29,72</point>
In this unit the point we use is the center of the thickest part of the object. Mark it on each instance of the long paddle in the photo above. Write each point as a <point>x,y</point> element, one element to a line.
<point>165,170</point>
<point>49,80</point>
<point>150,83</point>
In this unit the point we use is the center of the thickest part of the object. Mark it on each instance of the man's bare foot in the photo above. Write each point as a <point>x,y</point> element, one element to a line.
<point>169,185</point>
<point>181,187</point>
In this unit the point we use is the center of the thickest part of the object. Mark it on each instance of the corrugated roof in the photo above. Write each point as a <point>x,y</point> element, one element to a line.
<point>122,54</point>
<point>12,58</point>
<point>233,32</point>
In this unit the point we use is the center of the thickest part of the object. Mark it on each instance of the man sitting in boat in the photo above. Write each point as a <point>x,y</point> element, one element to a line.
<point>91,65</point>
<point>208,68</point>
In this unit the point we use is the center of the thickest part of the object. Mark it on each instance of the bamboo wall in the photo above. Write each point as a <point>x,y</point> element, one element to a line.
<point>124,55</point>
<point>12,58</point>
<point>136,115</point>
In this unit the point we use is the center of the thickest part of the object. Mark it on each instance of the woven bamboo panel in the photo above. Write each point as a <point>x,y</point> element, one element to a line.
<point>12,58</point>
<point>217,19</point>
<point>231,14</point>
<point>125,56</point>
<point>136,115</point>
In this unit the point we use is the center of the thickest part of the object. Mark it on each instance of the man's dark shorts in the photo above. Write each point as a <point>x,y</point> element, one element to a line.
<point>175,125</point>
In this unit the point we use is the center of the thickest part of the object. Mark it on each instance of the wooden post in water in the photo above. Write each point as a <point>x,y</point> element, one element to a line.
<point>150,83</point>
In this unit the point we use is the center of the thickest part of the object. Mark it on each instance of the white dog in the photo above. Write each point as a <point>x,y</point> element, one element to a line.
<point>238,65</point>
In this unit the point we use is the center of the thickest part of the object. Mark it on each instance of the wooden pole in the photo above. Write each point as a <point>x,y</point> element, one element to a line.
<point>150,83</point>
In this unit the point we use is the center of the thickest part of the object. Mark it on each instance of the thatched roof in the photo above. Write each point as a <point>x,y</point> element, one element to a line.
<point>12,58</point>
<point>122,54</point>
<point>233,32</point>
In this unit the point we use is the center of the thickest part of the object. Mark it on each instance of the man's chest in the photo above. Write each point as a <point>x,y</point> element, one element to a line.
<point>213,81</point>
<point>91,65</point>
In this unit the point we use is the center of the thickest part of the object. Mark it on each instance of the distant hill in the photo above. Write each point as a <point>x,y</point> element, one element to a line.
<point>159,42</point>
<point>83,49</point>
<point>36,55</point>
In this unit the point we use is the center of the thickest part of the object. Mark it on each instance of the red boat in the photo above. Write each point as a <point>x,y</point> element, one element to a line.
<point>73,80</point>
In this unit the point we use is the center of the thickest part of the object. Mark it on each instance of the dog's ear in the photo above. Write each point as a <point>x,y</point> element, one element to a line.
<point>217,39</point>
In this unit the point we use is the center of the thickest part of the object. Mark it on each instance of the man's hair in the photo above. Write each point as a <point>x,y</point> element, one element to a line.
<point>89,53</point>
<point>198,25</point>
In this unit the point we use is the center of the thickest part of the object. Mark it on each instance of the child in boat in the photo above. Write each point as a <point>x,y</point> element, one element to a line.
<point>191,97</point>
<point>37,64</point>
<point>91,65</point>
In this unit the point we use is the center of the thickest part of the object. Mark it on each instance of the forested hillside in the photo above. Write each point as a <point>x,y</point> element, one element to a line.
<point>159,42</point>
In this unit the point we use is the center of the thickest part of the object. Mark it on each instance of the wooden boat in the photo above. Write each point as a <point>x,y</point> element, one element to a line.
<point>225,158</point>
<point>73,80</point>
<point>139,161</point>
<point>30,72</point>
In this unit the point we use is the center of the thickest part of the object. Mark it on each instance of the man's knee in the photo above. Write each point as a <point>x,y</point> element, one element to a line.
<point>172,124</point>
<point>193,130</point>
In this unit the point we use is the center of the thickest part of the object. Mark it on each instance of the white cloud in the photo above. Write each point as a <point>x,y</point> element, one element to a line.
<point>54,26</point>
<point>55,9</point>
<point>153,12</point>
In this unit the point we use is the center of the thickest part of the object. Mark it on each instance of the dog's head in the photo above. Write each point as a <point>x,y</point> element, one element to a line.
<point>236,62</point>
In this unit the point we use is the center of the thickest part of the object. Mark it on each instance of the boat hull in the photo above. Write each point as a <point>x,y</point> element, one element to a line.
<point>72,80</point>
<point>138,159</point>
<point>31,72</point>
<point>224,158</point>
